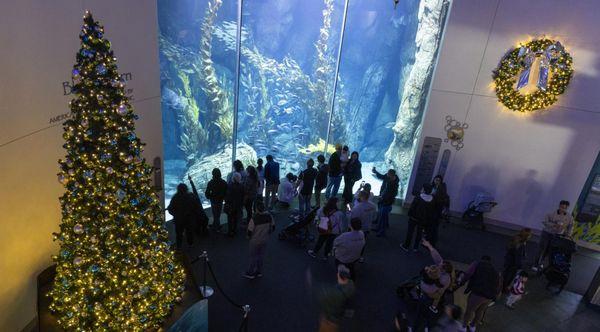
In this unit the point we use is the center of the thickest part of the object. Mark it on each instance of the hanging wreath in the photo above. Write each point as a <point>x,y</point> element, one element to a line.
<point>514,71</point>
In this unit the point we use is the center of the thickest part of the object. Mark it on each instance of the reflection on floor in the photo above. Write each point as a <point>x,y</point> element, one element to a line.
<point>283,300</point>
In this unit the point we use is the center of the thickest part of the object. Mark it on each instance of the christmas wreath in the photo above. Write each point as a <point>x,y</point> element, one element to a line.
<point>515,68</point>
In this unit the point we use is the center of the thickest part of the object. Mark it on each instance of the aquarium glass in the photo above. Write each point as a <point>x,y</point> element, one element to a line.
<point>289,56</point>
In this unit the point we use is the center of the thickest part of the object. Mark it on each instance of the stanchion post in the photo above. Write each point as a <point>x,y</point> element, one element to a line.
<point>205,290</point>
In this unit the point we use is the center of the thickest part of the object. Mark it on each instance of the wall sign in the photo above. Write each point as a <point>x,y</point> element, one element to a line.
<point>427,161</point>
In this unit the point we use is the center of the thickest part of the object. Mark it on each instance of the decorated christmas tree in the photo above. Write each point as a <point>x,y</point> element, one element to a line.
<point>115,270</point>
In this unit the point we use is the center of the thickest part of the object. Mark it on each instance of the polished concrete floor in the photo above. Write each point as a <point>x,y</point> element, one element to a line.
<point>284,299</point>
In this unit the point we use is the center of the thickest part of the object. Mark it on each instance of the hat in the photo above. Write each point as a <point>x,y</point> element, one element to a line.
<point>343,271</point>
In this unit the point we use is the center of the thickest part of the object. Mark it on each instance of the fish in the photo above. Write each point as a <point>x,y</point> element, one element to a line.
<point>297,126</point>
<point>389,125</point>
<point>288,110</point>
<point>273,131</point>
<point>249,114</point>
<point>216,99</point>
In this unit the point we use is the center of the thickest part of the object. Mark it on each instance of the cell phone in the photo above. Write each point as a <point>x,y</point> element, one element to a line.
<point>348,207</point>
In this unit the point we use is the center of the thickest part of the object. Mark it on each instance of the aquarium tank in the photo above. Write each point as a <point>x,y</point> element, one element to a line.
<point>289,102</point>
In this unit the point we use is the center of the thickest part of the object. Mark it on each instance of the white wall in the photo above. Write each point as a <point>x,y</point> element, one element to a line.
<point>39,40</point>
<point>528,162</point>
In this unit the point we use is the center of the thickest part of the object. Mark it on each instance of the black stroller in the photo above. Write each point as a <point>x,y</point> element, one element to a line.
<point>298,230</point>
<point>473,216</point>
<point>560,250</point>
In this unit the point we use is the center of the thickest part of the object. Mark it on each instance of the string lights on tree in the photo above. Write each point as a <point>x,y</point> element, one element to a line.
<point>115,270</point>
<point>514,73</point>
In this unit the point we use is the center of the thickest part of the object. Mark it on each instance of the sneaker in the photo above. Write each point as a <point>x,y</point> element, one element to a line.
<point>433,309</point>
<point>259,275</point>
<point>311,253</point>
<point>403,248</point>
<point>471,328</point>
<point>249,276</point>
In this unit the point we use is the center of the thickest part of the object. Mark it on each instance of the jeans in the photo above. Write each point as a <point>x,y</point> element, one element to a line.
<point>512,299</point>
<point>249,205</point>
<point>216,207</point>
<point>270,195</point>
<point>383,218</point>
<point>318,196</point>
<point>257,256</point>
<point>304,204</point>
<point>476,306</point>
<point>327,240</point>
<point>412,226</point>
<point>180,228</point>
<point>545,239</point>
<point>333,186</point>
<point>233,218</point>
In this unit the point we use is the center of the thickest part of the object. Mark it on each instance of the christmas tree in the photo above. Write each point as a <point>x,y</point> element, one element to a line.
<point>115,270</point>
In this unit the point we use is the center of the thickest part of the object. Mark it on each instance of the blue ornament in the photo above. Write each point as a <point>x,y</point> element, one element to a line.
<point>105,156</point>
<point>134,202</point>
<point>101,111</point>
<point>88,132</point>
<point>131,137</point>
<point>65,282</point>
<point>75,72</point>
<point>88,174</point>
<point>65,253</point>
<point>94,268</point>
<point>140,223</point>
<point>143,319</point>
<point>123,182</point>
<point>154,236</point>
<point>101,69</point>
<point>100,34</point>
<point>86,38</point>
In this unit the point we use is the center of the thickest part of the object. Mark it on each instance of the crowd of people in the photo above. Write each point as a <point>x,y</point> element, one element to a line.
<point>343,225</point>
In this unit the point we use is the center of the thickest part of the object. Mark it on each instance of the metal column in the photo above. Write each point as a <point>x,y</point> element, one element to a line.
<point>335,79</point>
<point>236,91</point>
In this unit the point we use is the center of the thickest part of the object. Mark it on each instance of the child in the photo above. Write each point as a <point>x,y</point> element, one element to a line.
<point>517,290</point>
<point>345,156</point>
<point>260,227</point>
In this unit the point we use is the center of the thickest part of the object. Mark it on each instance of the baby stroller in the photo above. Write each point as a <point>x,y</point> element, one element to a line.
<point>560,250</point>
<point>298,230</point>
<point>473,216</point>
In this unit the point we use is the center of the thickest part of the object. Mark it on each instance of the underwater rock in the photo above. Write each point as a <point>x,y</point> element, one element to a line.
<point>401,152</point>
<point>201,169</point>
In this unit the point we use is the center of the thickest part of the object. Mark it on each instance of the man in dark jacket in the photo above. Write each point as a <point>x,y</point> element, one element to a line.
<point>420,217</point>
<point>321,180</point>
<point>387,197</point>
<point>484,286</point>
<point>271,182</point>
<point>234,202</point>
<point>308,177</point>
<point>352,173</point>
<point>181,208</point>
<point>215,192</point>
<point>335,173</point>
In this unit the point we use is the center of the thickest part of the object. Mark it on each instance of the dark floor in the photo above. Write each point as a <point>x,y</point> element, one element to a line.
<point>283,300</point>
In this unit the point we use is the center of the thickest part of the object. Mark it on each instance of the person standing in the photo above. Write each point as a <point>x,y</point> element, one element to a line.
<point>348,247</point>
<point>321,180</point>
<point>181,208</point>
<point>441,202</point>
<point>238,167</point>
<point>420,218</point>
<point>271,182</point>
<point>514,257</point>
<point>260,228</point>
<point>335,173</point>
<point>234,203</point>
<point>344,157</point>
<point>215,192</point>
<point>260,169</point>
<point>352,173</point>
<point>286,191</point>
<point>559,222</point>
<point>329,220</point>
<point>484,286</point>
<point>308,177</point>
<point>333,301</point>
<point>367,188</point>
<point>366,212</point>
<point>199,217</point>
<point>387,197</point>
<point>250,191</point>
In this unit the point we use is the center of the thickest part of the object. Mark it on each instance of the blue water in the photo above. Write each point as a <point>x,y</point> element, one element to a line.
<point>289,56</point>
